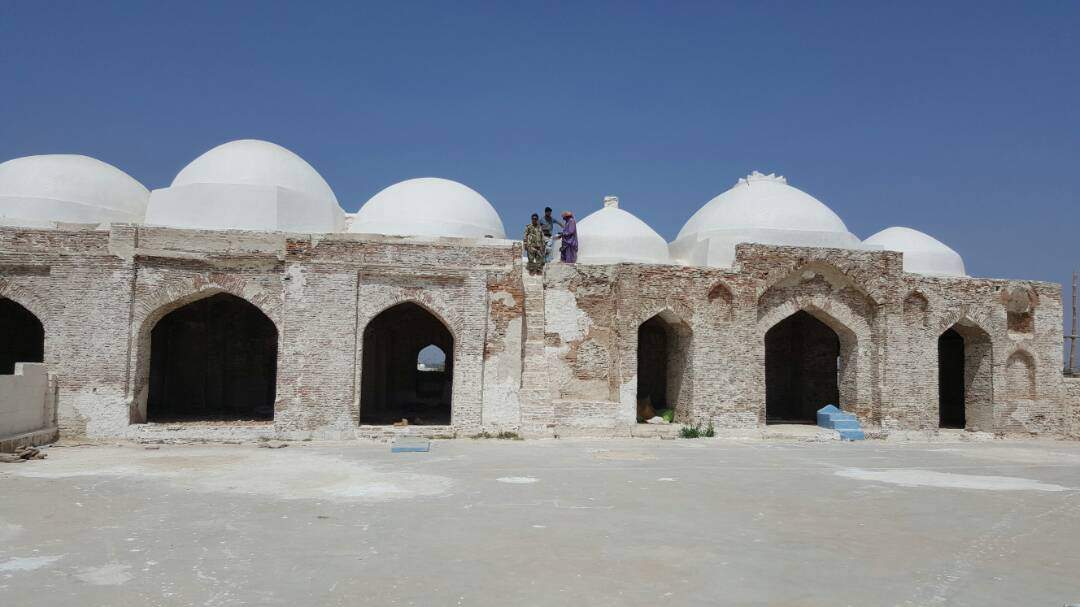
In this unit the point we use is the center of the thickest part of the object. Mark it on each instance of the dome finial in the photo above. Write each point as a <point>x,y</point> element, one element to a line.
<point>611,202</point>
<point>758,176</point>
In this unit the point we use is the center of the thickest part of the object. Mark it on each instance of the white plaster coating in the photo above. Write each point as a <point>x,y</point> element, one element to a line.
<point>923,254</point>
<point>28,563</point>
<point>293,475</point>
<point>255,162</point>
<point>502,376</point>
<point>112,574</point>
<point>429,206</point>
<point>759,209</point>
<point>563,315</point>
<point>518,480</point>
<point>948,480</point>
<point>612,235</point>
<point>9,531</point>
<point>248,185</point>
<point>36,191</point>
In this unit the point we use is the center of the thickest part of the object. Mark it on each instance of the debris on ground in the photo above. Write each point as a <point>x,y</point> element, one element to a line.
<point>22,454</point>
<point>656,420</point>
<point>403,422</point>
<point>273,444</point>
<point>644,408</point>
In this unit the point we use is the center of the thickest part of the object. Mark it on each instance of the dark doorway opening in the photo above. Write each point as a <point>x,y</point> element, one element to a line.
<point>801,367</point>
<point>213,360</point>
<point>652,368</point>
<point>951,380</point>
<point>663,368</point>
<point>22,337</point>
<point>965,378</point>
<point>407,368</point>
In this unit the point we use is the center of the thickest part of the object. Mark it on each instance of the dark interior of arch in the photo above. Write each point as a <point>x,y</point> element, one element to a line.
<point>22,338</point>
<point>213,360</point>
<point>392,386</point>
<point>801,365</point>
<point>951,381</point>
<point>652,363</point>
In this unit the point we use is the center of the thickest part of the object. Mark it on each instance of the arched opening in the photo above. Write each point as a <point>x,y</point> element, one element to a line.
<point>22,337</point>
<point>965,390</point>
<point>214,359</point>
<point>407,368</point>
<point>802,364</point>
<point>431,359</point>
<point>663,348</point>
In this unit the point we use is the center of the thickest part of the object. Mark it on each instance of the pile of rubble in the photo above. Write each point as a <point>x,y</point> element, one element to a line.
<point>21,455</point>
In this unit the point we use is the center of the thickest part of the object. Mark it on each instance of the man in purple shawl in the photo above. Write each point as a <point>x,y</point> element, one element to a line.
<point>568,249</point>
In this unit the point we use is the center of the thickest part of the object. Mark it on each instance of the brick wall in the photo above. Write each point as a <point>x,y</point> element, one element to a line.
<point>545,355</point>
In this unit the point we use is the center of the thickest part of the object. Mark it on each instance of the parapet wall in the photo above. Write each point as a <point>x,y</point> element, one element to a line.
<point>27,407</point>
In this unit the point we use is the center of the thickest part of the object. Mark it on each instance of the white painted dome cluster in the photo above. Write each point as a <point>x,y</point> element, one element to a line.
<point>923,254</point>
<point>428,206</point>
<point>612,235</point>
<point>39,191</point>
<point>248,185</point>
<point>257,185</point>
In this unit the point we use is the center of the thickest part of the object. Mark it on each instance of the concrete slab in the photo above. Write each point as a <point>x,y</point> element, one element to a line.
<point>410,444</point>
<point>555,522</point>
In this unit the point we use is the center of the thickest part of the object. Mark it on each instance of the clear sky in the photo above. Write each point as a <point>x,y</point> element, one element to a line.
<point>958,119</point>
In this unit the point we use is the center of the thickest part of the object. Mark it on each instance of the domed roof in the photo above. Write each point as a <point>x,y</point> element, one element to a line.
<point>760,201</point>
<point>612,235</point>
<point>248,185</point>
<point>923,254</point>
<point>40,190</point>
<point>428,206</point>
<point>760,209</point>
<point>256,162</point>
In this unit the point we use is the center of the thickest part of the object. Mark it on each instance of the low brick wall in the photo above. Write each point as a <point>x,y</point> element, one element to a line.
<point>27,407</point>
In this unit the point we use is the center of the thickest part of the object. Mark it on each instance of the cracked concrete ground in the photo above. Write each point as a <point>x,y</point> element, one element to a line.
<point>614,522</point>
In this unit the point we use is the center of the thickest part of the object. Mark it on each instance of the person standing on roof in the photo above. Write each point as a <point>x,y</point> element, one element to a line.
<point>534,246</point>
<point>568,249</point>
<point>547,225</point>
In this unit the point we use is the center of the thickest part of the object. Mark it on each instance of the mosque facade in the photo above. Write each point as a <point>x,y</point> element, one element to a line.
<point>242,302</point>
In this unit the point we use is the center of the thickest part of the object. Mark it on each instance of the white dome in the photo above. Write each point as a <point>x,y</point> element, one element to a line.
<point>612,235</point>
<point>428,206</point>
<point>248,185</point>
<point>923,254</point>
<point>37,191</point>
<point>761,209</point>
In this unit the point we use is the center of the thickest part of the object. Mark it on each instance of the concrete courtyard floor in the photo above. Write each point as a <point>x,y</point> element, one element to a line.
<point>553,522</point>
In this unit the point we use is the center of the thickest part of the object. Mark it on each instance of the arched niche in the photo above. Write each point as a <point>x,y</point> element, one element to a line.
<point>916,309</point>
<point>1020,376</point>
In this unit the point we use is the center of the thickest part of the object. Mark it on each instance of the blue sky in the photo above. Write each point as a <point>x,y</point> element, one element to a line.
<point>959,119</point>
